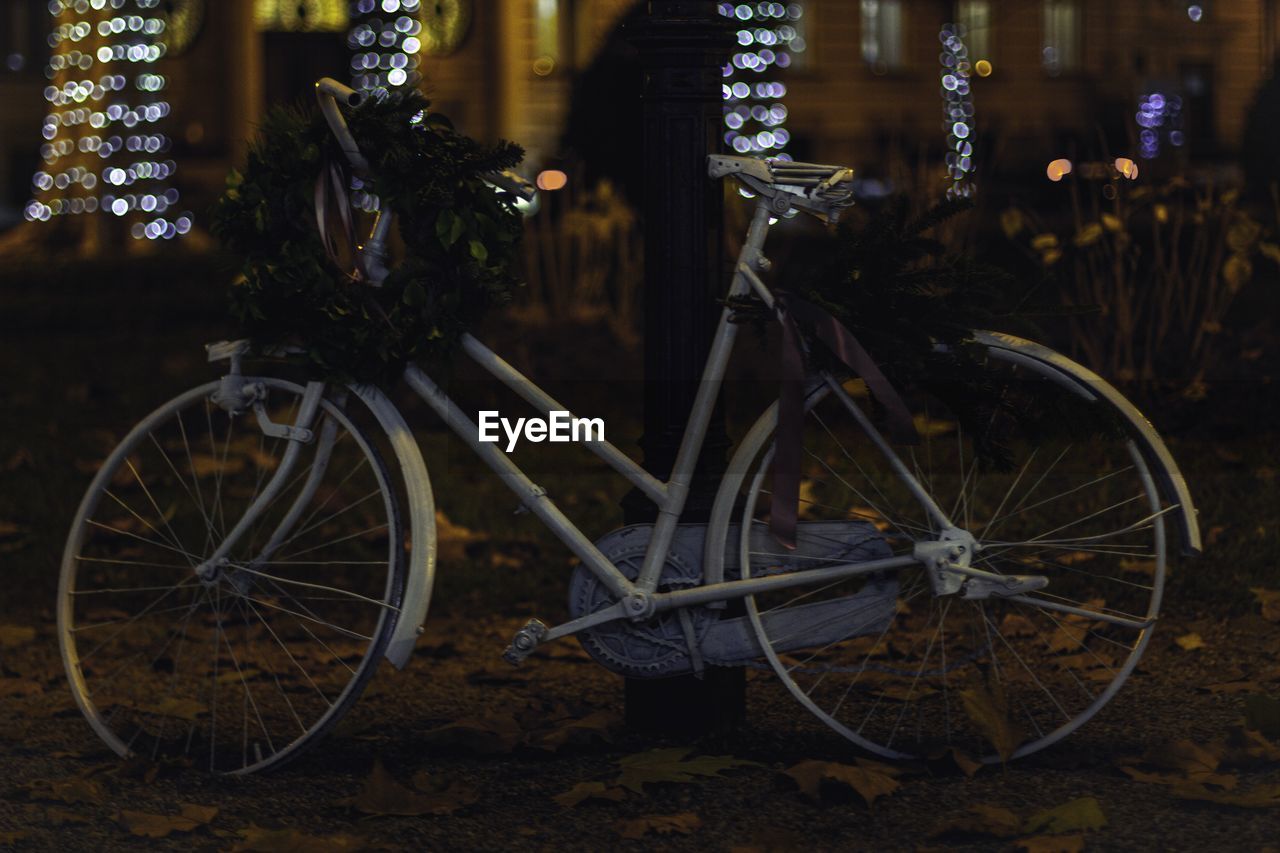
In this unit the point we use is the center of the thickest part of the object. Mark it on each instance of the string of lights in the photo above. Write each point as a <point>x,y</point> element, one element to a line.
<point>104,143</point>
<point>384,40</point>
<point>754,114</point>
<point>1158,115</point>
<point>957,110</point>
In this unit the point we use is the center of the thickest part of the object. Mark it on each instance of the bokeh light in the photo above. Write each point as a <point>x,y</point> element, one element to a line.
<point>1058,169</point>
<point>105,126</point>
<point>552,180</point>
<point>768,36</point>
<point>957,110</point>
<point>384,42</point>
<point>1127,168</point>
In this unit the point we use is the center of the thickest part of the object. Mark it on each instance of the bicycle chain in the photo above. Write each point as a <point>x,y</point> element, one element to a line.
<point>820,670</point>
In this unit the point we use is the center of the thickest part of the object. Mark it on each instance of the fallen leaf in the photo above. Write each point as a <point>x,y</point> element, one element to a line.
<point>1051,844</point>
<point>20,687</point>
<point>1225,781</point>
<point>144,768</point>
<point>589,791</point>
<point>447,791</point>
<point>598,727</point>
<point>1228,687</point>
<point>148,825</point>
<point>815,777</point>
<point>1262,714</point>
<point>1269,599</point>
<point>685,823</point>
<point>1190,642</point>
<point>1186,756</point>
<point>498,677</point>
<point>77,789</point>
<point>382,795</point>
<point>492,735</point>
<point>672,765</point>
<point>207,465</point>
<point>452,539</point>
<point>1245,747</point>
<point>930,428</point>
<point>58,816</point>
<point>13,537</point>
<point>13,636</point>
<point>171,706</point>
<point>1139,567</point>
<point>1261,797</point>
<point>1071,816</point>
<point>967,765</point>
<point>1017,625</point>
<point>255,839</point>
<point>981,819</point>
<point>989,712</point>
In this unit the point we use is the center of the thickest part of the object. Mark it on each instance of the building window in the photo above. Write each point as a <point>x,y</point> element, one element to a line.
<point>975,17</point>
<point>882,34</point>
<point>1062,28</point>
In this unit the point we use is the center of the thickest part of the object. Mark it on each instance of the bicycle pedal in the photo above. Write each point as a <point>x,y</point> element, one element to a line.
<point>525,641</point>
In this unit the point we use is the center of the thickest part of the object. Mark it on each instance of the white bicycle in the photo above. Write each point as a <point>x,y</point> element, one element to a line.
<point>246,557</point>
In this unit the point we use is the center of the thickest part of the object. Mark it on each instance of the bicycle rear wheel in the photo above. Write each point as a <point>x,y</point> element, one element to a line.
<point>241,670</point>
<point>1056,486</point>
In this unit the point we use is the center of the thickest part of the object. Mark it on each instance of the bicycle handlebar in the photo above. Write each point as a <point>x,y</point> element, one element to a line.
<point>330,91</point>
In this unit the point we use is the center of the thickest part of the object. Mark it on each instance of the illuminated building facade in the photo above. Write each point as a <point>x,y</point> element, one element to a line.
<point>867,82</point>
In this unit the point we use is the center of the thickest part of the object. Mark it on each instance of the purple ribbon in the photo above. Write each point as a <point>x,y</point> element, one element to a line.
<point>784,511</point>
<point>332,181</point>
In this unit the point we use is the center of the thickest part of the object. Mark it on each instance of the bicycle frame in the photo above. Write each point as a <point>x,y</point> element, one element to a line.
<point>638,599</point>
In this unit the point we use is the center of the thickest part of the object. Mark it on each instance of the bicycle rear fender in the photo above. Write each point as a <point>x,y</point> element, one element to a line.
<point>1169,479</point>
<point>421,567</point>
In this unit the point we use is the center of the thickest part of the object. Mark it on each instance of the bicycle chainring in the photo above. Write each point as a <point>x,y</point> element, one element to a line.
<point>658,647</point>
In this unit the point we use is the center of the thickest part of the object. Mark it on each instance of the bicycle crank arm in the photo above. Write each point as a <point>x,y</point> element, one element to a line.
<point>536,633</point>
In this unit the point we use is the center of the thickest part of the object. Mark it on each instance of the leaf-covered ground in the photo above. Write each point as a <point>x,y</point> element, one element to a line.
<point>462,752</point>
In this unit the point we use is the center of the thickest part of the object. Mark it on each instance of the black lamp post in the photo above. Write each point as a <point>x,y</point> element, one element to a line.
<point>683,44</point>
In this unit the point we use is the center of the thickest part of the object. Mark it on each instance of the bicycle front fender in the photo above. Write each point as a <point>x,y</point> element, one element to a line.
<point>1172,484</point>
<point>422,524</point>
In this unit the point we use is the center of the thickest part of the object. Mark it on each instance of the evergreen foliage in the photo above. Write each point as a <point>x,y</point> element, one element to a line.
<point>460,237</point>
<point>914,305</point>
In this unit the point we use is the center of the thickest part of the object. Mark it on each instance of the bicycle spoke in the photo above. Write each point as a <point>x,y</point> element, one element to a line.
<point>318,586</point>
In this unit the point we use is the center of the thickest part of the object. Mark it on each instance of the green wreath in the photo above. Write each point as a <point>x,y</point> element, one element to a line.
<point>460,239</point>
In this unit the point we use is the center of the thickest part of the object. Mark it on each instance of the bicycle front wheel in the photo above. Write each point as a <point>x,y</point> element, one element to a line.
<point>1051,482</point>
<point>239,670</point>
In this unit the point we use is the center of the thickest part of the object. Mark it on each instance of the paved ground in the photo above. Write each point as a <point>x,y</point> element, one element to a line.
<point>489,749</point>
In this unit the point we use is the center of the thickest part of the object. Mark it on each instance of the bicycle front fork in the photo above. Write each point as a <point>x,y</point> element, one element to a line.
<point>236,395</point>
